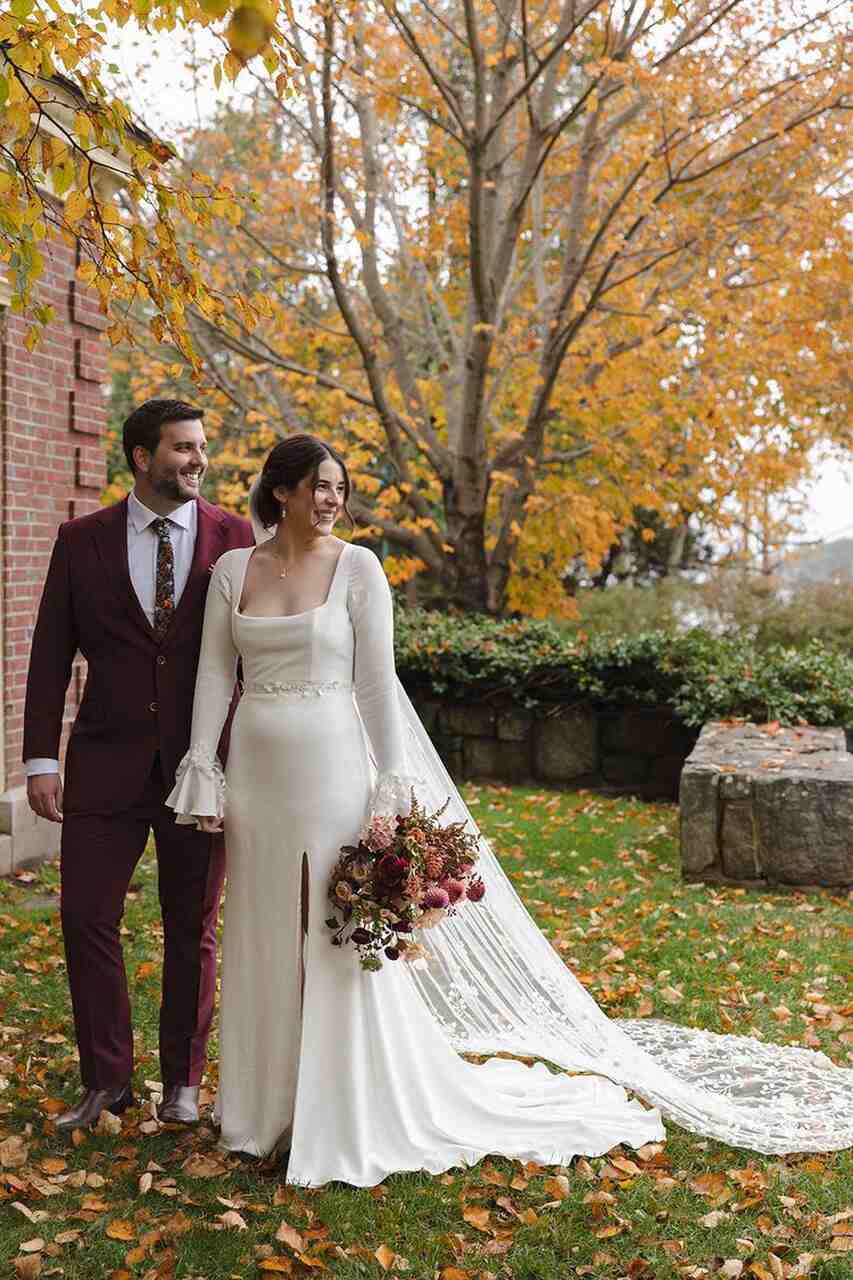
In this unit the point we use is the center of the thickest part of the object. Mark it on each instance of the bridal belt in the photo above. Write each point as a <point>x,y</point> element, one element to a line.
<point>296,688</point>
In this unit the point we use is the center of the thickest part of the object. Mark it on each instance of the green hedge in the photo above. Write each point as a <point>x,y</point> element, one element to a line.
<point>699,675</point>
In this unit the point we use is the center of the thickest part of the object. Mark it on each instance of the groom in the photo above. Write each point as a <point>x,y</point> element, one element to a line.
<point>126,588</point>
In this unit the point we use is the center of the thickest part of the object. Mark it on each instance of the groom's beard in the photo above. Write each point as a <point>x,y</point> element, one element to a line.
<point>174,484</point>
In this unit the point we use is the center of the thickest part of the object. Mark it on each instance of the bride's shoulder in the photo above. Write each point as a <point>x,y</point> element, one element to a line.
<point>362,561</point>
<point>228,566</point>
<point>232,559</point>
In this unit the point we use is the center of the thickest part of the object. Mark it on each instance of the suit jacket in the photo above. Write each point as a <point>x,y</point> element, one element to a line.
<point>139,690</point>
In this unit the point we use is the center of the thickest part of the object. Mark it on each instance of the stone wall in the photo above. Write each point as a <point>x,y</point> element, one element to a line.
<point>629,750</point>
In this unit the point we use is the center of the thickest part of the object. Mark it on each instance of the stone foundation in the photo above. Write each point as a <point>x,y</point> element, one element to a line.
<point>764,807</point>
<point>634,751</point>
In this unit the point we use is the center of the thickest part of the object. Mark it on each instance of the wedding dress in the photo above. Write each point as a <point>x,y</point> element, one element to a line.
<point>361,1073</point>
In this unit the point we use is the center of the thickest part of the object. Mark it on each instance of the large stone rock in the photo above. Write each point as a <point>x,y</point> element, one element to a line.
<point>566,746</point>
<point>770,806</point>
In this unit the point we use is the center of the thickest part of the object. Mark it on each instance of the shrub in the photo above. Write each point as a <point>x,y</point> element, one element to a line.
<point>701,676</point>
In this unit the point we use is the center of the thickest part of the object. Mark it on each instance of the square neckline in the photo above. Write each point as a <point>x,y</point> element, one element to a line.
<point>282,617</point>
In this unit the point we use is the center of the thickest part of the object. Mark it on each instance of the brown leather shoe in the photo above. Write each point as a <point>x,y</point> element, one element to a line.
<point>179,1105</point>
<point>92,1103</point>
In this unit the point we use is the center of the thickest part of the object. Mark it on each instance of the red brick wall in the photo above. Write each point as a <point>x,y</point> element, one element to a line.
<point>52,414</point>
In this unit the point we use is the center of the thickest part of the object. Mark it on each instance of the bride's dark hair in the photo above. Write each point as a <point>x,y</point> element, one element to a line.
<point>288,463</point>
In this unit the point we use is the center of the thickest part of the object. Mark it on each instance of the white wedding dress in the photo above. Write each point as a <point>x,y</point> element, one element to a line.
<point>360,1073</point>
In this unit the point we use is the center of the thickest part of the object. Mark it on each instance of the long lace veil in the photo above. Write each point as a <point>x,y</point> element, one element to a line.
<point>494,984</point>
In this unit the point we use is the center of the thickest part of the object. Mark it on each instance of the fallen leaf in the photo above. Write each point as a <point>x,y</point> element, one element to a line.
<point>66,1237</point>
<point>32,1246</point>
<point>291,1237</point>
<point>178,1225</point>
<point>28,1267</point>
<point>93,1204</point>
<point>121,1229</point>
<point>453,1273</point>
<point>714,1218</point>
<point>731,1268</point>
<point>709,1184</point>
<point>145,1183</point>
<point>384,1256</point>
<point>108,1126</point>
<point>478,1218</point>
<point>671,995</point>
<point>557,1187</point>
<point>203,1165</point>
<point>13,1152</point>
<point>233,1220</point>
<point>33,1215</point>
<point>53,1164</point>
<point>277,1263</point>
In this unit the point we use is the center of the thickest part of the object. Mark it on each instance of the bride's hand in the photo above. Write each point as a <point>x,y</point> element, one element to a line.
<point>210,825</point>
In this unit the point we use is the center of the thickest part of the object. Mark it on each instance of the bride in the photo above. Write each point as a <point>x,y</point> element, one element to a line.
<point>361,1074</point>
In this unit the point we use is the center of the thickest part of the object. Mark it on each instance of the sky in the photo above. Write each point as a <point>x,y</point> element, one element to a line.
<point>159,82</point>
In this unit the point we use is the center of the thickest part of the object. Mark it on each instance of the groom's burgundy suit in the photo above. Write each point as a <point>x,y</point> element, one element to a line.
<point>131,730</point>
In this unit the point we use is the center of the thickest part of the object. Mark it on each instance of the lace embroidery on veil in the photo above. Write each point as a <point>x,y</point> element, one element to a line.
<point>494,983</point>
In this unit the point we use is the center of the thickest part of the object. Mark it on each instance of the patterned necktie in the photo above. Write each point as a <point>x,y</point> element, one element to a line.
<point>164,589</point>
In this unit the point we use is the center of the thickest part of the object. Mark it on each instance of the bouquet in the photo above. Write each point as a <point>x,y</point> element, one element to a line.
<point>405,873</point>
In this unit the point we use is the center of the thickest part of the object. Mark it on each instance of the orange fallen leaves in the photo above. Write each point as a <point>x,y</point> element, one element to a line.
<point>477,1217</point>
<point>291,1237</point>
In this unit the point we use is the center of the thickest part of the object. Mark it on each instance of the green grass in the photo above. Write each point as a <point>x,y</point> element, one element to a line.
<point>601,877</point>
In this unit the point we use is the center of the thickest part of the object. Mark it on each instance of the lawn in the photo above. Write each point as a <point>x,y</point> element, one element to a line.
<point>601,877</point>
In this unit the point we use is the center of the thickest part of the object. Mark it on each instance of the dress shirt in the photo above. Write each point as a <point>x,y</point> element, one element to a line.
<point>142,564</point>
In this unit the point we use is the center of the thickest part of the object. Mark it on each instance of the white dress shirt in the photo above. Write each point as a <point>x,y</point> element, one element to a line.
<point>142,562</point>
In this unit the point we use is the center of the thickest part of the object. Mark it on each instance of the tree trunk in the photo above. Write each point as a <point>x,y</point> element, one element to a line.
<point>466,579</point>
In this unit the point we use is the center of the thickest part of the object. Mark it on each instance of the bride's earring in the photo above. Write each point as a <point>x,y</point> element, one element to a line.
<point>283,511</point>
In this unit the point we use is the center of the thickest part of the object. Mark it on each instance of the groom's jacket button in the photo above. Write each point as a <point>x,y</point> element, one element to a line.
<point>161,661</point>
<point>153,706</point>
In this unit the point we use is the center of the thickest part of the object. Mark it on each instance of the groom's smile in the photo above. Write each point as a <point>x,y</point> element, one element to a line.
<point>178,466</point>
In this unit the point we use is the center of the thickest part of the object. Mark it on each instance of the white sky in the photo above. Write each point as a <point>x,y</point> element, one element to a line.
<point>158,80</point>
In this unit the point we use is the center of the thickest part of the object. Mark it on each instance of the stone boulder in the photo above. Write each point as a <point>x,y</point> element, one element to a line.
<point>766,805</point>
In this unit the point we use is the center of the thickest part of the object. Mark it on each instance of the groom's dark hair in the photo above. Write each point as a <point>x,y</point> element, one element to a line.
<point>144,426</point>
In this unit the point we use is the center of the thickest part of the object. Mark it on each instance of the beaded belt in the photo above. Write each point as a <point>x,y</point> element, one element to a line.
<point>297,688</point>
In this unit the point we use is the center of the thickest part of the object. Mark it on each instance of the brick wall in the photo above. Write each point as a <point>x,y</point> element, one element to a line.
<point>52,414</point>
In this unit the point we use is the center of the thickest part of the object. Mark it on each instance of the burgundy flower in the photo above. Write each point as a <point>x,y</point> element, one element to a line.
<point>436,898</point>
<point>454,889</point>
<point>391,869</point>
<point>392,953</point>
<point>476,890</point>
<point>360,936</point>
<point>402,926</point>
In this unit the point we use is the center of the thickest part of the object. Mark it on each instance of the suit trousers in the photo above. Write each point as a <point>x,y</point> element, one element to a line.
<point>99,855</point>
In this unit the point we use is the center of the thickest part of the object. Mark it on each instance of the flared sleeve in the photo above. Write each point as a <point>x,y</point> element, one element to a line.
<point>375,682</point>
<point>199,789</point>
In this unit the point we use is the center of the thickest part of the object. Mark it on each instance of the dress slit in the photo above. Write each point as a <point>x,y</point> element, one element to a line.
<point>304,912</point>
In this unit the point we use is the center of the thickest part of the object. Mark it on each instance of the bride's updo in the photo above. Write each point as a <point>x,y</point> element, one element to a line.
<point>287,464</point>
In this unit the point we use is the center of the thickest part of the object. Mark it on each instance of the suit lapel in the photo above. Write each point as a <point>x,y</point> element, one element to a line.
<point>209,540</point>
<point>111,543</point>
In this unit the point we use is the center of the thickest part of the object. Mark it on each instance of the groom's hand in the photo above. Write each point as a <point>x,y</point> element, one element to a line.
<point>44,793</point>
